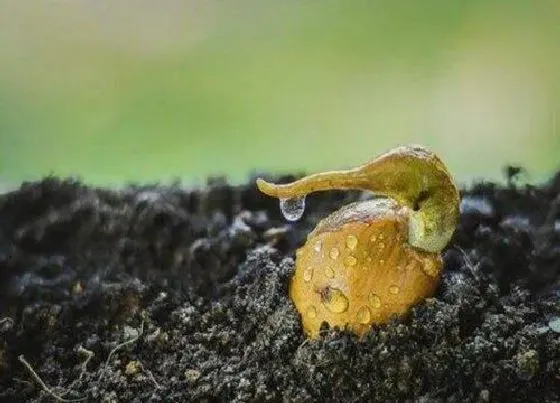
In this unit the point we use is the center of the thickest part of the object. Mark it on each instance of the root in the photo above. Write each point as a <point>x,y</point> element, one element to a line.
<point>58,393</point>
<point>51,390</point>
<point>117,348</point>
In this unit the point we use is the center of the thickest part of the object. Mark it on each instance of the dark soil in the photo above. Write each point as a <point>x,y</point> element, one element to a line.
<point>164,294</point>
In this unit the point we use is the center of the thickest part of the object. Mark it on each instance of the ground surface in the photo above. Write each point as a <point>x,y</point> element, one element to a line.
<point>159,294</point>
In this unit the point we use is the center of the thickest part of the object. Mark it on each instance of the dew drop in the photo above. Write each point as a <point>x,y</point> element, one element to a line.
<point>317,246</point>
<point>311,312</point>
<point>334,253</point>
<point>329,272</point>
<point>394,289</point>
<point>351,242</point>
<point>374,300</point>
<point>350,261</point>
<point>308,274</point>
<point>335,301</point>
<point>293,208</point>
<point>363,315</point>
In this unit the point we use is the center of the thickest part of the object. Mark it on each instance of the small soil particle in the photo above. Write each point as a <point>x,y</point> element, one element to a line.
<point>182,295</point>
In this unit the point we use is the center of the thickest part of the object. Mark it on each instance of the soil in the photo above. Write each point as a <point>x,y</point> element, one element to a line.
<point>159,293</point>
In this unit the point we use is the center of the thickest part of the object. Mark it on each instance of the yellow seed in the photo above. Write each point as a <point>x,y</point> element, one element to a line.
<point>373,238</point>
<point>317,247</point>
<point>351,242</point>
<point>394,289</point>
<point>363,315</point>
<point>334,253</point>
<point>336,301</point>
<point>374,300</point>
<point>308,274</point>
<point>369,259</point>
<point>381,236</point>
<point>311,312</point>
<point>329,272</point>
<point>350,260</point>
<point>381,245</point>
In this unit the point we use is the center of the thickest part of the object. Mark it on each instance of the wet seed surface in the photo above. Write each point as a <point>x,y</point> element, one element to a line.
<point>198,290</point>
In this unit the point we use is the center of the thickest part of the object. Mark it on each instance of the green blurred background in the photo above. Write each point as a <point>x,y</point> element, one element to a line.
<point>116,91</point>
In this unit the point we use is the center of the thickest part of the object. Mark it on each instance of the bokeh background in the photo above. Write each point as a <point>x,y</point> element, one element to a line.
<point>142,90</point>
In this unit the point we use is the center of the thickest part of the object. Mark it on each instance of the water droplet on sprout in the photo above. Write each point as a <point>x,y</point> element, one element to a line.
<point>364,315</point>
<point>334,253</point>
<point>394,289</point>
<point>336,301</point>
<point>374,300</point>
<point>351,242</point>
<point>317,247</point>
<point>350,261</point>
<point>293,208</point>
<point>308,274</point>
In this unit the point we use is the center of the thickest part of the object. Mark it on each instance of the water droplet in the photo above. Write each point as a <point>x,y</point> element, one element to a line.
<point>334,253</point>
<point>311,312</point>
<point>394,289</point>
<point>351,242</point>
<point>308,274</point>
<point>335,301</point>
<point>293,208</point>
<point>329,272</point>
<point>363,315</point>
<point>350,260</point>
<point>374,300</point>
<point>317,247</point>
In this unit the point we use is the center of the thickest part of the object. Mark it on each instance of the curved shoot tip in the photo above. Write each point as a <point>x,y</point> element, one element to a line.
<point>266,187</point>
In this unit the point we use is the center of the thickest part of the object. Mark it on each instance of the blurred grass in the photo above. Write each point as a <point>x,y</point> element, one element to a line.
<point>134,90</point>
